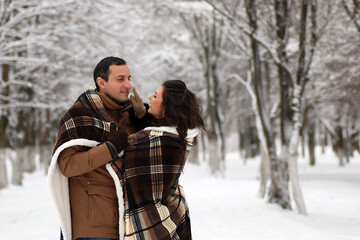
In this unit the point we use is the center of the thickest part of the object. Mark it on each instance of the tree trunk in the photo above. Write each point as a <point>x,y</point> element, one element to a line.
<point>45,142</point>
<point>294,140</point>
<point>338,145</point>
<point>214,91</point>
<point>281,10</point>
<point>45,155</point>
<point>3,170</point>
<point>338,139</point>
<point>241,141</point>
<point>278,189</point>
<point>29,164</point>
<point>194,153</point>
<point>31,140</point>
<point>302,71</point>
<point>347,141</point>
<point>281,14</point>
<point>17,160</point>
<point>302,137</point>
<point>204,146</point>
<point>4,142</point>
<point>249,142</point>
<point>267,81</point>
<point>264,171</point>
<point>294,176</point>
<point>323,138</point>
<point>354,135</point>
<point>311,142</point>
<point>216,166</point>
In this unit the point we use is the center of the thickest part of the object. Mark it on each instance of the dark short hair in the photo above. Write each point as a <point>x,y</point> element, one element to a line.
<point>102,68</point>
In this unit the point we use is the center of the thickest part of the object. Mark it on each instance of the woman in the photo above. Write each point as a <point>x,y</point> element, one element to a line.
<point>155,204</point>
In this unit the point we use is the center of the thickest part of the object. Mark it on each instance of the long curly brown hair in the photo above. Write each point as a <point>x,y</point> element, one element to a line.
<point>181,108</point>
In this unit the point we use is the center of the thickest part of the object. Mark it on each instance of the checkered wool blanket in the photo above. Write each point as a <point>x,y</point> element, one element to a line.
<point>87,118</point>
<point>155,204</point>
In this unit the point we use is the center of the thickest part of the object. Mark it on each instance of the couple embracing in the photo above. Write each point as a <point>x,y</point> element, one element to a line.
<point>116,164</point>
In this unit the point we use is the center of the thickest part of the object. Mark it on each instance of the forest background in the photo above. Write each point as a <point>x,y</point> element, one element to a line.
<point>275,78</point>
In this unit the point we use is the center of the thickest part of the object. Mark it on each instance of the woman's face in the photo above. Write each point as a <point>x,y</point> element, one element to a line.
<point>156,108</point>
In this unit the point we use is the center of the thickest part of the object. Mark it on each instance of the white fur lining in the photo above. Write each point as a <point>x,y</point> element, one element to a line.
<point>191,133</point>
<point>59,189</point>
<point>119,193</point>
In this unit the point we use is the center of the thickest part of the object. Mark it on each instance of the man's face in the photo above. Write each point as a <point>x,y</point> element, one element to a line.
<point>118,85</point>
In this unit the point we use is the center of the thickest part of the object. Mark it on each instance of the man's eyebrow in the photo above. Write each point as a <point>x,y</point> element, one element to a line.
<point>123,76</point>
<point>156,93</point>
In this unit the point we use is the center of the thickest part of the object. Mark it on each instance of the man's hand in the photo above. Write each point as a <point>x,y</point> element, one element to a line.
<point>116,140</point>
<point>138,104</point>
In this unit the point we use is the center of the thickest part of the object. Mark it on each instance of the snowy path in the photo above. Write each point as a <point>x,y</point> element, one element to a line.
<point>220,208</point>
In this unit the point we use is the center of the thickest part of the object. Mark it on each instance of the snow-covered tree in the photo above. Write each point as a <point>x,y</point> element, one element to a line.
<point>285,36</point>
<point>47,52</point>
<point>335,94</point>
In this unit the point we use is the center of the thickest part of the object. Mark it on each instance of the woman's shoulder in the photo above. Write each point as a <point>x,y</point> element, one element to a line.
<point>170,131</point>
<point>152,132</point>
<point>163,132</point>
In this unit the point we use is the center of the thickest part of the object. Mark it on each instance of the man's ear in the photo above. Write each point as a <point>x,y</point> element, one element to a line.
<point>100,82</point>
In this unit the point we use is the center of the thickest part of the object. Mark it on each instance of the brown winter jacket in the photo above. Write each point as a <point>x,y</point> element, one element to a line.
<point>93,201</point>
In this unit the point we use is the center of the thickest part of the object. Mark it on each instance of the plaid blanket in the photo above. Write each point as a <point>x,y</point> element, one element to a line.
<point>87,118</point>
<point>155,204</point>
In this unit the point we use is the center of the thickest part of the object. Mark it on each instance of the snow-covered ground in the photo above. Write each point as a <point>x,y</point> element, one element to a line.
<point>220,208</point>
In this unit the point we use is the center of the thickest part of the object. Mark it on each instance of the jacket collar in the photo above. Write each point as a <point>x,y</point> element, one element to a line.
<point>110,104</point>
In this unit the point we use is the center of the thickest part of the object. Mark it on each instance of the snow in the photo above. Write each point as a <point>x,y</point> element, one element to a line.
<point>220,208</point>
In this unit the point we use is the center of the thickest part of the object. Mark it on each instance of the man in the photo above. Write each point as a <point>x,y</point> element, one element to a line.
<point>92,133</point>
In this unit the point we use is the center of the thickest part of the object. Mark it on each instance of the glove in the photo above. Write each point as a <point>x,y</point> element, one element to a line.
<point>116,140</point>
<point>138,104</point>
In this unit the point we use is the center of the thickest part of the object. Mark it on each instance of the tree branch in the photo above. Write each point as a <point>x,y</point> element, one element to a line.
<point>250,34</point>
<point>353,15</point>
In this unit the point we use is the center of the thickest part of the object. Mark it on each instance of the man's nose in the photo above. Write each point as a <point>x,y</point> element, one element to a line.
<point>128,84</point>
